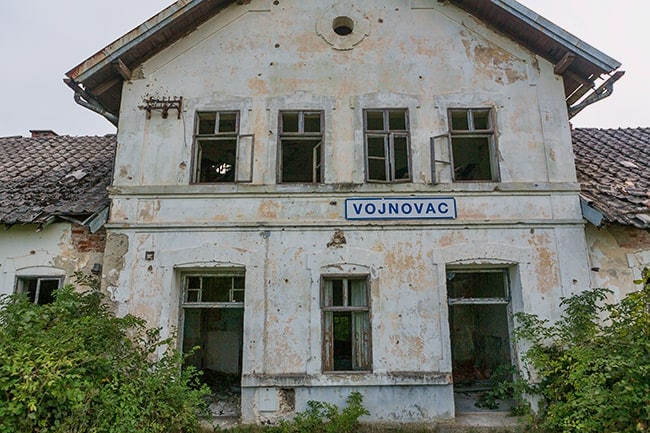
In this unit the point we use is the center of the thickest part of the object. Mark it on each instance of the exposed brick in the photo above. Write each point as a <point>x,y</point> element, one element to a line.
<point>86,242</point>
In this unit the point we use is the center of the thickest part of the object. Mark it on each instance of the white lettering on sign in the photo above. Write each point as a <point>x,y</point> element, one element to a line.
<point>400,208</point>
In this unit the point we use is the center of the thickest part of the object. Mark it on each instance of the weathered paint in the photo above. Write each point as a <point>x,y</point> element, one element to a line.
<point>617,255</point>
<point>288,236</point>
<point>54,251</point>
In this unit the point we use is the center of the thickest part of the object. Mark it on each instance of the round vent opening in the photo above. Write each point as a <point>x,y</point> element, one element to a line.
<point>343,26</point>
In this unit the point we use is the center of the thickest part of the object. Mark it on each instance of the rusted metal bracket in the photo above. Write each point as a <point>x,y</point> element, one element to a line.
<point>164,105</point>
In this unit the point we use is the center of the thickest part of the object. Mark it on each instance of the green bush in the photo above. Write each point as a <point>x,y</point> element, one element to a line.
<point>319,417</point>
<point>72,366</point>
<point>593,364</point>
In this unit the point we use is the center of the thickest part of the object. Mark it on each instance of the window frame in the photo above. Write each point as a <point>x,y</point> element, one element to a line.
<point>473,132</point>
<point>21,281</point>
<point>389,144</point>
<point>318,155</point>
<point>327,333</point>
<point>228,273</point>
<point>487,301</point>
<point>216,136</point>
<point>503,300</point>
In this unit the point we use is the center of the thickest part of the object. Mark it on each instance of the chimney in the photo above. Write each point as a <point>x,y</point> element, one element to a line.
<point>38,133</point>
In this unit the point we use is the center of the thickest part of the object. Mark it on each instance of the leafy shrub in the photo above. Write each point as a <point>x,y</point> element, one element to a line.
<point>319,417</point>
<point>506,384</point>
<point>594,374</point>
<point>72,366</point>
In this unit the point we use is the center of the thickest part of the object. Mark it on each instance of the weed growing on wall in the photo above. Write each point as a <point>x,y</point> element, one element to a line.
<point>72,366</point>
<point>594,374</point>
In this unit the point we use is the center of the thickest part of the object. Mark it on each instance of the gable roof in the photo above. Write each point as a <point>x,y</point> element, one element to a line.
<point>46,177</point>
<point>613,171</point>
<point>98,79</point>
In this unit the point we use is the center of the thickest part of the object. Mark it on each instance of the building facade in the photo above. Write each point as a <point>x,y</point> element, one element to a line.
<point>327,197</point>
<point>53,203</point>
<point>613,171</point>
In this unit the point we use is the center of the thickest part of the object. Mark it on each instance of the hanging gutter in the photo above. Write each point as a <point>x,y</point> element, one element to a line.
<point>82,98</point>
<point>102,75</point>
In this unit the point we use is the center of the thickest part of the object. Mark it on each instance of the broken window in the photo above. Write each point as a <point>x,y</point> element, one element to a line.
<point>221,154</point>
<point>346,324</point>
<point>301,147</point>
<point>473,152</point>
<point>213,327</point>
<point>387,145</point>
<point>39,290</point>
<point>479,326</point>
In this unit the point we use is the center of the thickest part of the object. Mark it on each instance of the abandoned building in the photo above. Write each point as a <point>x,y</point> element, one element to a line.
<point>614,174</point>
<point>328,197</point>
<point>53,204</point>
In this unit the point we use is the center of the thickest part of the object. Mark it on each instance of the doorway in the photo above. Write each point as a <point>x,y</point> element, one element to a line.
<point>213,328</point>
<point>479,323</point>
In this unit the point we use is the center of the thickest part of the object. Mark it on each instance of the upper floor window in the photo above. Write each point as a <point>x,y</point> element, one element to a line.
<point>473,150</point>
<point>216,146</point>
<point>39,290</point>
<point>387,145</point>
<point>301,147</point>
<point>346,324</point>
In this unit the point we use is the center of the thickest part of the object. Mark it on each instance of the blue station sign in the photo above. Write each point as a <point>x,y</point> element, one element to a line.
<point>400,208</point>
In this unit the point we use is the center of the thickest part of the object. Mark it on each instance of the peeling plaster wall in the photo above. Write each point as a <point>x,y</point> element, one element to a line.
<point>617,255</point>
<point>406,268</point>
<point>257,57</point>
<point>50,252</point>
<point>260,58</point>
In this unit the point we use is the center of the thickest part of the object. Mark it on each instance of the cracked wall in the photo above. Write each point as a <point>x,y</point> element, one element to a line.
<point>60,249</point>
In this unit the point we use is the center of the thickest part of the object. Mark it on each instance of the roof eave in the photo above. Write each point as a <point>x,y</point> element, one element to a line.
<point>577,46</point>
<point>114,50</point>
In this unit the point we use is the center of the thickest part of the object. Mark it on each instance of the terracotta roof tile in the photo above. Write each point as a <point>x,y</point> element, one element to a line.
<point>612,168</point>
<point>53,176</point>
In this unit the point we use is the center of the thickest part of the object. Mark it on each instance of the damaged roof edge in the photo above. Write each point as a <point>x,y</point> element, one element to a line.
<point>116,48</point>
<point>591,214</point>
<point>555,32</point>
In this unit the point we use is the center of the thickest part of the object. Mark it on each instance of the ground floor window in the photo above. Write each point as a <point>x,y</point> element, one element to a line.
<point>479,322</point>
<point>346,324</point>
<point>39,290</point>
<point>213,326</point>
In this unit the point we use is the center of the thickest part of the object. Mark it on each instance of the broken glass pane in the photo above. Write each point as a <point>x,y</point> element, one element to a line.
<point>477,284</point>
<point>397,120</point>
<point>374,120</point>
<point>459,120</point>
<point>290,122</point>
<point>311,122</point>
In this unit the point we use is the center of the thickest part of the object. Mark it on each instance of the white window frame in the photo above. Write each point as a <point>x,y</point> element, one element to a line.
<point>21,281</point>
<point>389,136</point>
<point>243,143</point>
<point>301,134</point>
<point>473,132</point>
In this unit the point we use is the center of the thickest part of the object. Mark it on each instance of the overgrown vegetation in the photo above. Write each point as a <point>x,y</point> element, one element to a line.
<point>593,365</point>
<point>506,384</point>
<point>319,417</point>
<point>72,366</point>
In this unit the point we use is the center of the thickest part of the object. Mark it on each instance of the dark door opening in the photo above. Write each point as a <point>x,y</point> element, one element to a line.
<point>213,330</point>
<point>479,331</point>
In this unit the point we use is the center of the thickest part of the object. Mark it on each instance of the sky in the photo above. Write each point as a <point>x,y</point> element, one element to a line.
<point>40,40</point>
